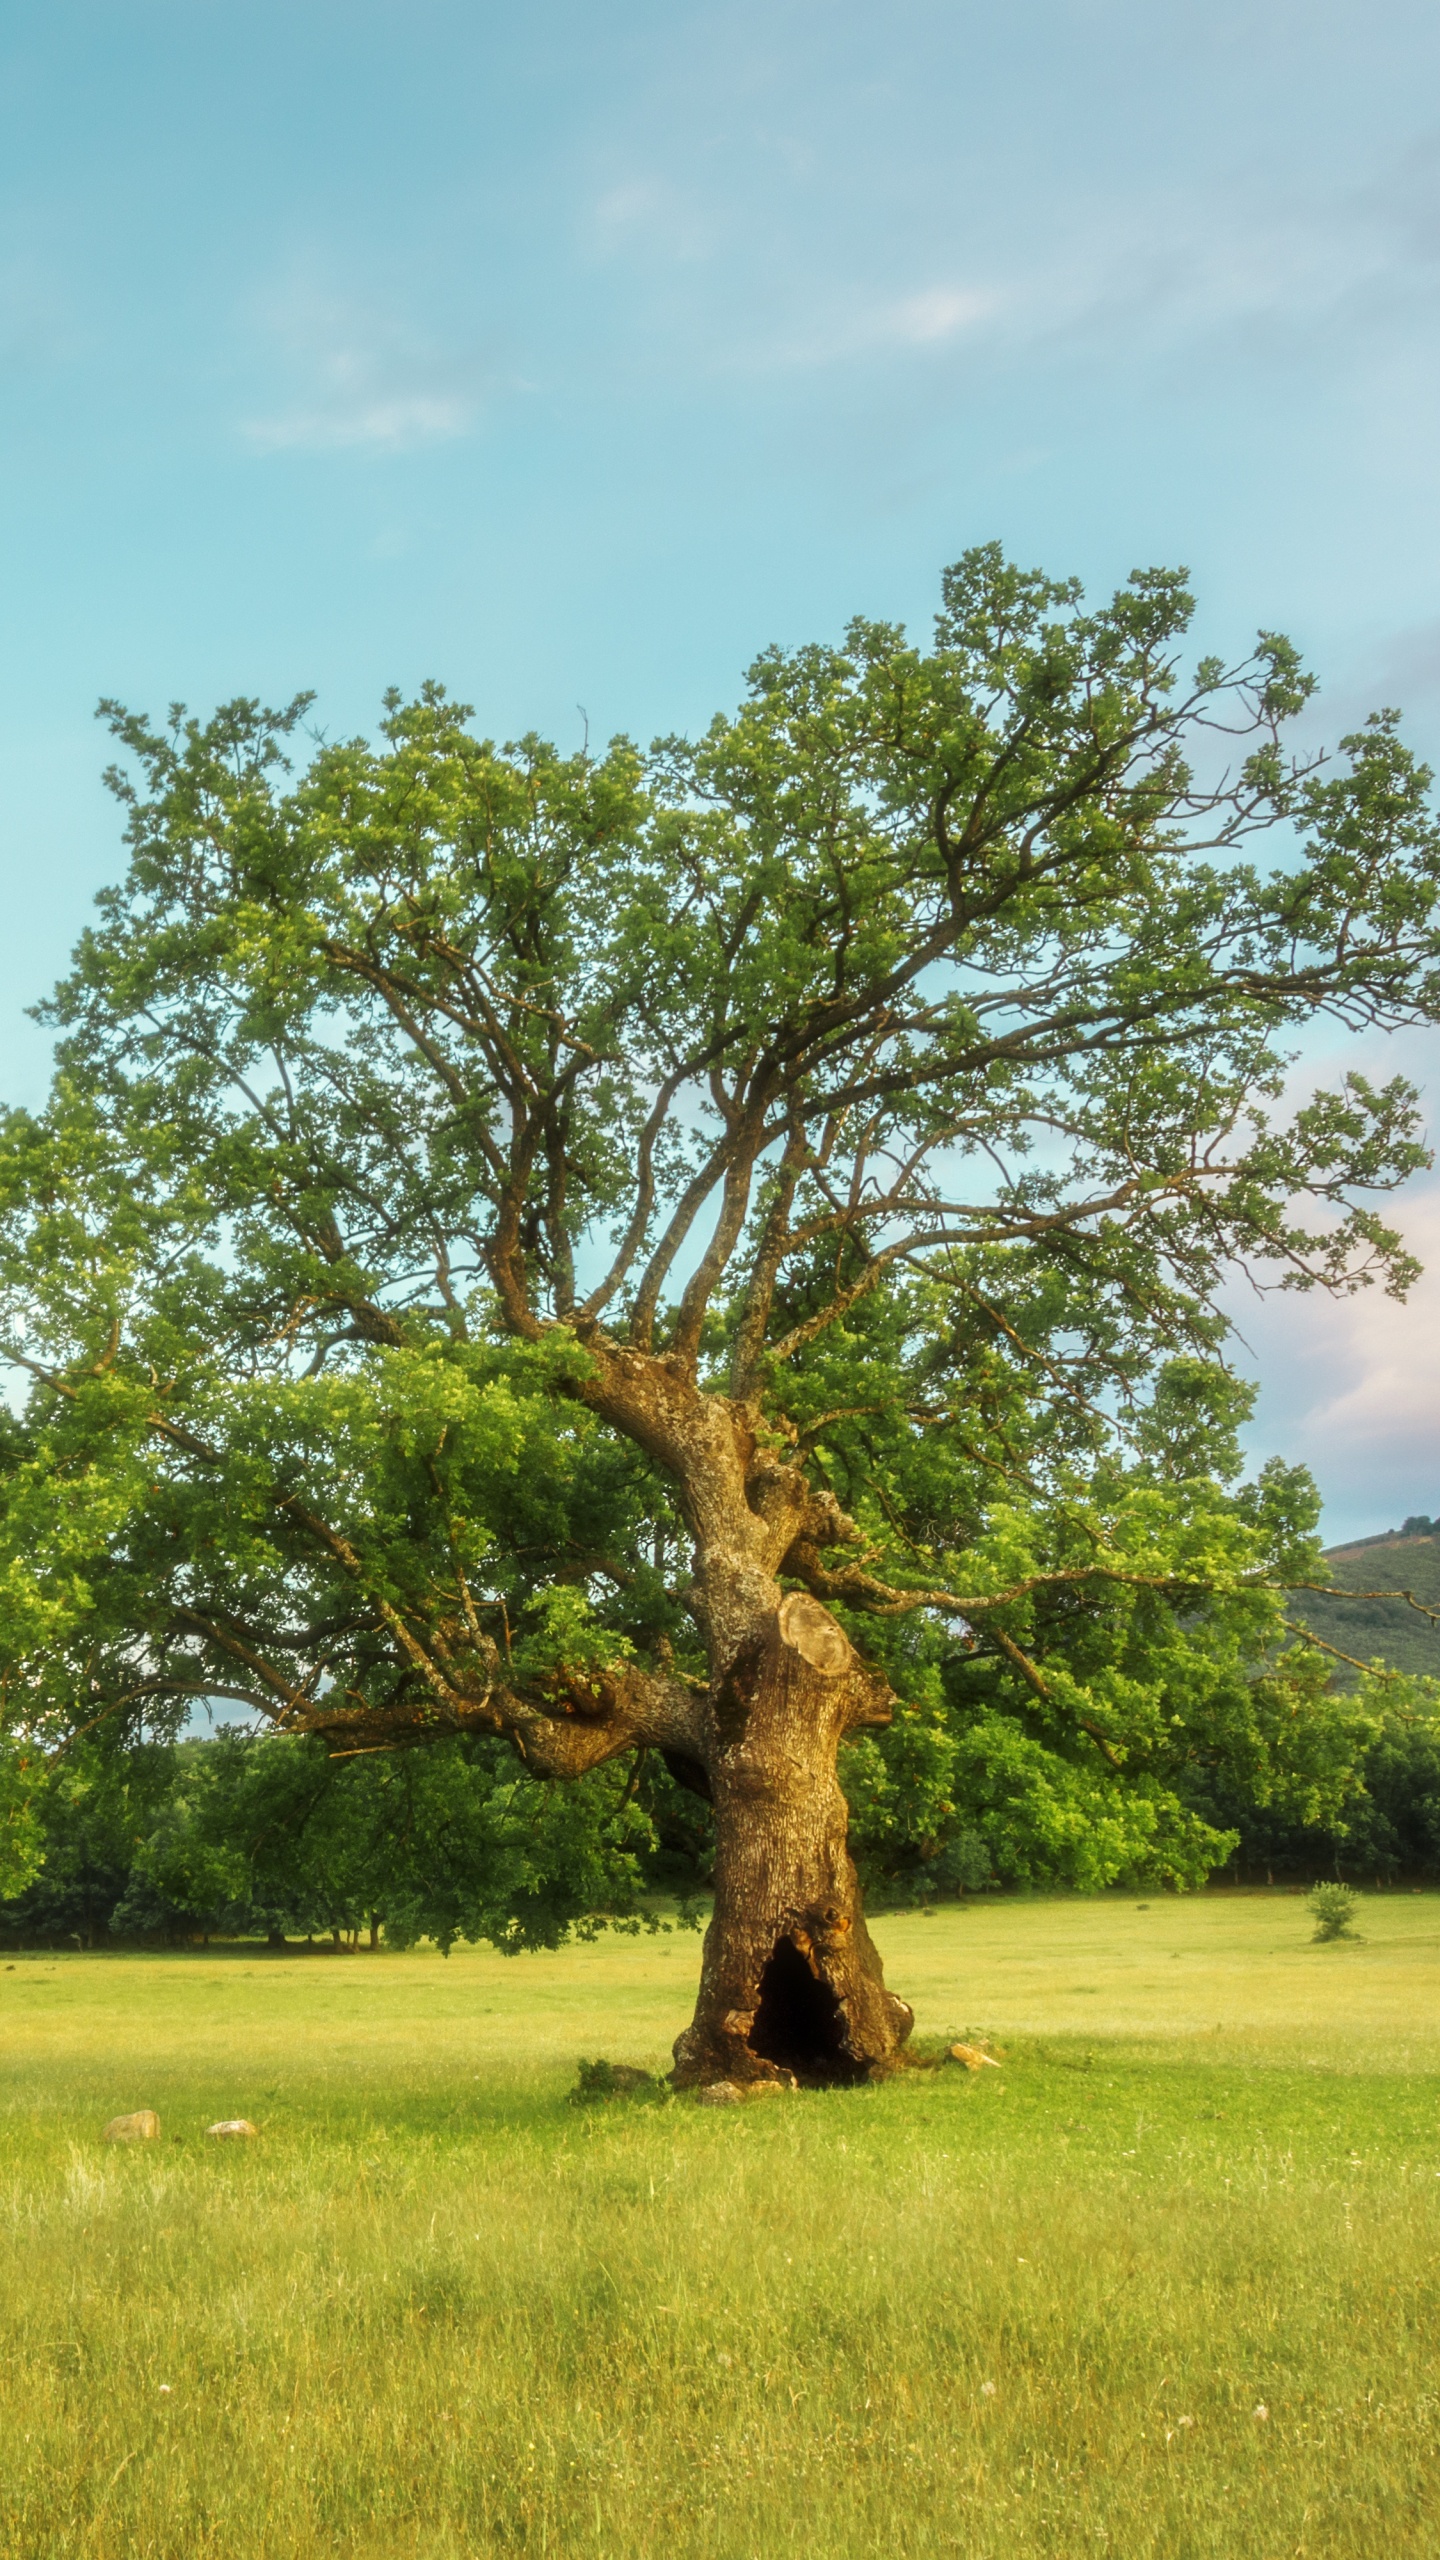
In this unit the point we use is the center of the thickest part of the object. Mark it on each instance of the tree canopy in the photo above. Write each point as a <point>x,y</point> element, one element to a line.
<point>500,1211</point>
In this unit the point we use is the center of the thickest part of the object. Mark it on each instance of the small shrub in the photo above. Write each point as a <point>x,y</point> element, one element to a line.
<point>1334,1907</point>
<point>612,2080</point>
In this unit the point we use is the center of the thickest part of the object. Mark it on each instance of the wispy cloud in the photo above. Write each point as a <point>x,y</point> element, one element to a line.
<point>1312,272</point>
<point>355,376</point>
<point>1322,270</point>
<point>929,318</point>
<point>654,220</point>
<point>1351,1386</point>
<point>1270,276</point>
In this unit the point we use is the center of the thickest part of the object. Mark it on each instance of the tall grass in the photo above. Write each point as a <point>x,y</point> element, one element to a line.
<point>435,2310</point>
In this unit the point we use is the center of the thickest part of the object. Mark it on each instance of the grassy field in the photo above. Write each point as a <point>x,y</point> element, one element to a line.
<point>1165,2286</point>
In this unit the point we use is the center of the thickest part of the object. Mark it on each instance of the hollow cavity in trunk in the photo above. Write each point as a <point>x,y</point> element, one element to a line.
<point>799,2024</point>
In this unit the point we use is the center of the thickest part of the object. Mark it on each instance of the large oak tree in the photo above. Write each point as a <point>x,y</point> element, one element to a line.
<point>694,1254</point>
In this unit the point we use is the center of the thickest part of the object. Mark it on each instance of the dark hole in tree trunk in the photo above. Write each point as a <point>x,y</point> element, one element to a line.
<point>798,2021</point>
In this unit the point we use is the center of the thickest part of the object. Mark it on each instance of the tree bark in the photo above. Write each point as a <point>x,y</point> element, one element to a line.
<point>791,1985</point>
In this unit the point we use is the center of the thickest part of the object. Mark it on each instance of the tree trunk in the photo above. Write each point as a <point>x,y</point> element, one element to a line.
<point>791,1986</point>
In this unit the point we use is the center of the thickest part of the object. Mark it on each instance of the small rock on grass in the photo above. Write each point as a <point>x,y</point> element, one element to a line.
<point>143,2126</point>
<point>231,2129</point>
<point>733,2093</point>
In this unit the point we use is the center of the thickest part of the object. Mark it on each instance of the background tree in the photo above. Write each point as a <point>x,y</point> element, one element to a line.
<point>272,1835</point>
<point>649,1255</point>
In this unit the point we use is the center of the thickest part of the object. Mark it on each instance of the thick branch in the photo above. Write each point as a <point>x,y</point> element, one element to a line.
<point>585,1719</point>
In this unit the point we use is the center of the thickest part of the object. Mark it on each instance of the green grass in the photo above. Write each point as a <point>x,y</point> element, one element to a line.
<point>434,2310</point>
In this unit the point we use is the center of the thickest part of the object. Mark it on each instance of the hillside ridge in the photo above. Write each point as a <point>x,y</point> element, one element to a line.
<point>1378,1629</point>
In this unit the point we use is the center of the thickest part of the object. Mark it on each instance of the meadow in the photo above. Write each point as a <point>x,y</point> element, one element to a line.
<point>1166,2284</point>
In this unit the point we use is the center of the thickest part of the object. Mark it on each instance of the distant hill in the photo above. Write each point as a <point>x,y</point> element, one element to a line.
<point>1397,1560</point>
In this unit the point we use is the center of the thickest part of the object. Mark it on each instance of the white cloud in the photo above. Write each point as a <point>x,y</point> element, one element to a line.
<point>357,378</point>
<point>869,325</point>
<point>1325,271</point>
<point>1323,278</point>
<point>1351,1387</point>
<point>352,415</point>
<point>734,257</point>
<point>634,205</point>
<point>651,219</point>
<point>925,319</point>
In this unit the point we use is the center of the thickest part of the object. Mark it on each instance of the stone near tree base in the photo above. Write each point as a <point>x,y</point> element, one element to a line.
<point>143,2126</point>
<point>233,2129</point>
<point>734,2093</point>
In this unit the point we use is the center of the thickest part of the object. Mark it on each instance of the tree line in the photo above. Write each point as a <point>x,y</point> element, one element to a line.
<point>269,1837</point>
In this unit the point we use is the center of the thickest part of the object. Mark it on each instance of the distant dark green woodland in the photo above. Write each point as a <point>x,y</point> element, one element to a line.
<point>1391,1826</point>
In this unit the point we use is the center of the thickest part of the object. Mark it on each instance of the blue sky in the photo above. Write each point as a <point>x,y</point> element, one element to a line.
<point>572,354</point>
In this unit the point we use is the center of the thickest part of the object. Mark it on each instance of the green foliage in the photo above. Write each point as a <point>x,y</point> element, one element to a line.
<point>1385,1826</point>
<point>908,1057</point>
<point>88,1814</point>
<point>1333,1907</point>
<point>1394,1829</point>
<point>21,1834</point>
<point>269,1836</point>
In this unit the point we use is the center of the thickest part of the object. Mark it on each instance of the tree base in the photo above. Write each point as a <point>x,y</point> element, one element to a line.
<point>802,2030</point>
